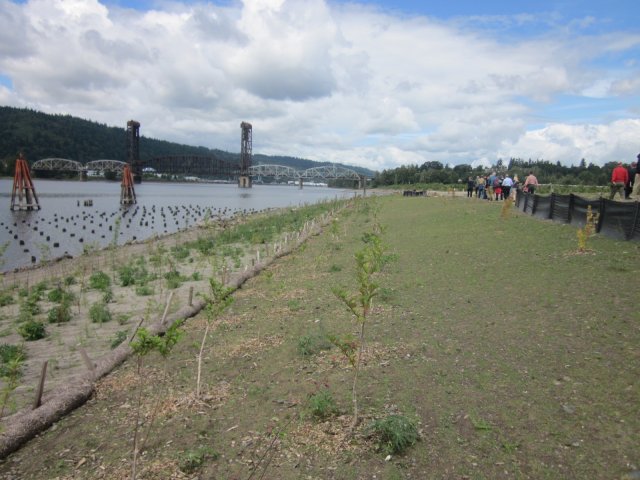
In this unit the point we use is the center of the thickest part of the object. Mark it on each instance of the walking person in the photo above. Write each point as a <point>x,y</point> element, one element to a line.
<point>507,183</point>
<point>619,178</point>
<point>530,183</point>
<point>471,185</point>
<point>480,182</point>
<point>636,181</point>
<point>515,186</point>
<point>491,185</point>
<point>628,188</point>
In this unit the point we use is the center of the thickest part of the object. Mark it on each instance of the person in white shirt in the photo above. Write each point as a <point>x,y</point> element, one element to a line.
<point>507,183</point>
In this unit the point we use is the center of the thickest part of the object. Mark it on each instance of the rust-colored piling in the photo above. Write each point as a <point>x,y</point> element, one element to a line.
<point>23,187</point>
<point>127,193</point>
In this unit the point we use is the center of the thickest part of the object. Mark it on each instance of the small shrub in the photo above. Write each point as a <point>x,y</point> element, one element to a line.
<point>196,276</point>
<point>70,280</point>
<point>60,295</point>
<point>335,268</point>
<point>32,330</point>
<point>119,337</point>
<point>394,433</point>
<point>30,305</point>
<point>192,460</point>
<point>180,252</point>
<point>386,294</point>
<point>321,405</point>
<point>41,287</point>
<point>59,313</point>
<point>144,290</point>
<point>174,279</point>
<point>55,295</point>
<point>312,344</point>
<point>294,305</point>
<point>123,318</point>
<point>99,281</point>
<point>588,230</point>
<point>99,313</point>
<point>9,352</point>
<point>127,274</point>
<point>107,296</point>
<point>6,299</point>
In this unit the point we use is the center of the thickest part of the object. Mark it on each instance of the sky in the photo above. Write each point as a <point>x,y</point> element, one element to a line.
<point>372,83</point>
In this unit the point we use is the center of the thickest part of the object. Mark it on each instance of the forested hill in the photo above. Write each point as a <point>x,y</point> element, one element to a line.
<point>42,135</point>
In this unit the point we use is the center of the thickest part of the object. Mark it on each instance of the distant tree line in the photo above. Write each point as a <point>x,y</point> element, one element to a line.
<point>41,135</point>
<point>545,171</point>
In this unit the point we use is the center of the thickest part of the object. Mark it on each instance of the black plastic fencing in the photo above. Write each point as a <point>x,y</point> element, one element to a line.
<point>620,220</point>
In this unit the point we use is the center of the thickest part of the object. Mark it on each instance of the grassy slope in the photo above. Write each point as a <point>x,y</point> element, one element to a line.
<point>518,358</point>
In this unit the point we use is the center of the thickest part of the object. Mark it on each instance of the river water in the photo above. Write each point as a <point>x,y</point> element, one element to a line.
<point>64,225</point>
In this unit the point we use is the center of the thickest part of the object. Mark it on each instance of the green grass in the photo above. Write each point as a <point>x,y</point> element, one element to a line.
<point>507,351</point>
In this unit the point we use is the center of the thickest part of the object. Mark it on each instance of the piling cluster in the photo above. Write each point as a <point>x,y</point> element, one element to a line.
<point>42,237</point>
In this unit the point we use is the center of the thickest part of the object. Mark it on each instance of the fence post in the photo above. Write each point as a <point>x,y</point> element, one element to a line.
<point>535,204</point>
<point>38,400</point>
<point>636,217</point>
<point>600,215</point>
<point>552,205</point>
<point>570,209</point>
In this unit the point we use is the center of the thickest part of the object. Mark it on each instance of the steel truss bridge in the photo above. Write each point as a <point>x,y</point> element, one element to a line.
<point>66,165</point>
<point>200,165</point>
<point>328,172</point>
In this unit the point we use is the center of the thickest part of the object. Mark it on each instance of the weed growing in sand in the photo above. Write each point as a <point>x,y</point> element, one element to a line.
<point>11,373</point>
<point>8,353</point>
<point>32,330</point>
<point>99,313</point>
<point>6,298</point>
<point>3,249</point>
<point>119,337</point>
<point>99,281</point>
<point>60,313</point>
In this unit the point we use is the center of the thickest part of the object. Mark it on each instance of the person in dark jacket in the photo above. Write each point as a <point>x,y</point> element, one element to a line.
<point>471,185</point>
<point>636,181</point>
<point>628,188</point>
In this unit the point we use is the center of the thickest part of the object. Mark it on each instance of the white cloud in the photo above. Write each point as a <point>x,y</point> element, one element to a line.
<point>617,141</point>
<point>350,84</point>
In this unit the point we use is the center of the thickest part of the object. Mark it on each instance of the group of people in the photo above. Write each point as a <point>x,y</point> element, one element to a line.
<point>498,187</point>
<point>626,181</point>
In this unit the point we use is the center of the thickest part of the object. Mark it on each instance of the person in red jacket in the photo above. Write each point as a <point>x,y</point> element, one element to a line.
<point>619,178</point>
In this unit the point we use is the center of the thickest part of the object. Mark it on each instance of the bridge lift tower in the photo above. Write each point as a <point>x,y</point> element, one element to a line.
<point>244,180</point>
<point>133,150</point>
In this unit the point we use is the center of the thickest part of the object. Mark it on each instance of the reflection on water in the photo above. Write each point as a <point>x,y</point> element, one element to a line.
<point>65,226</point>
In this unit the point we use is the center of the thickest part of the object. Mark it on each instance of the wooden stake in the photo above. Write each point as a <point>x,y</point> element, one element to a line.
<point>191,296</point>
<point>166,308</point>
<point>87,361</point>
<point>40,389</point>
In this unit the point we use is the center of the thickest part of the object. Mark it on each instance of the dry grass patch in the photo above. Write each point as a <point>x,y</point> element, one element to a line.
<point>331,436</point>
<point>252,346</point>
<point>373,354</point>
